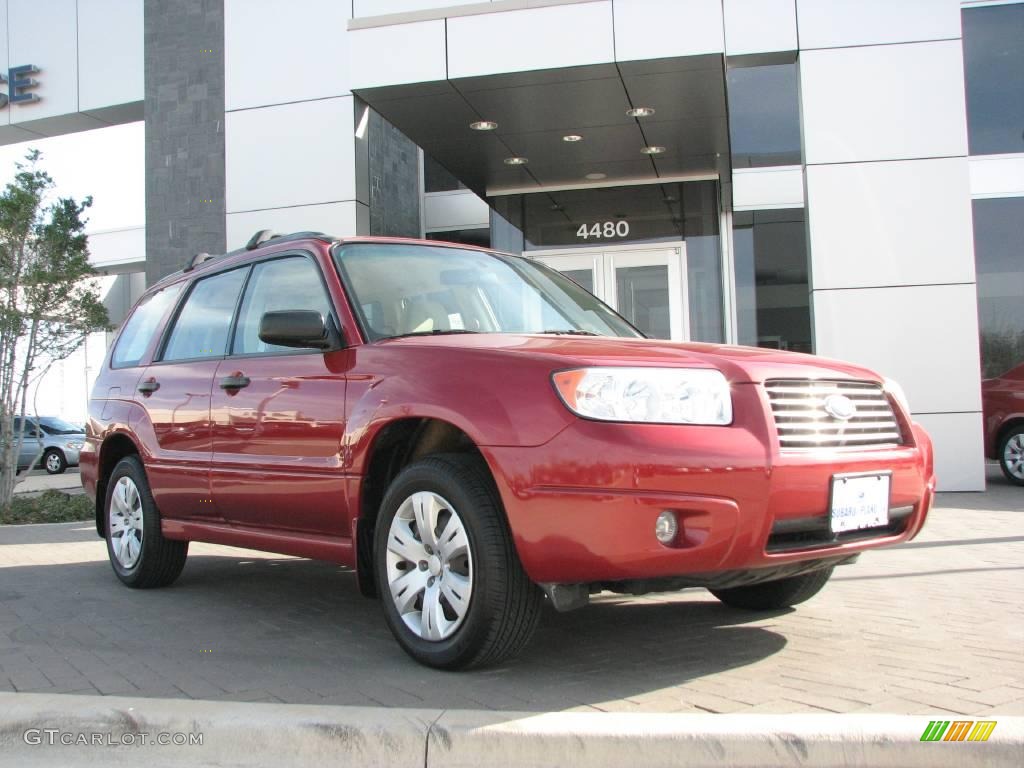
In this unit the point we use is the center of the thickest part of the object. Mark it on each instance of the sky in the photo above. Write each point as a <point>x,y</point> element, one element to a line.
<point>107,163</point>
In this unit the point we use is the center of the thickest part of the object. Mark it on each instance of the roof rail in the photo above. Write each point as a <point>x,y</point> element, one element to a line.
<point>266,235</point>
<point>195,261</point>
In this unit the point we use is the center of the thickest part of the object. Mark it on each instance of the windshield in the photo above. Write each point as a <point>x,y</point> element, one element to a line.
<point>54,426</point>
<point>403,290</point>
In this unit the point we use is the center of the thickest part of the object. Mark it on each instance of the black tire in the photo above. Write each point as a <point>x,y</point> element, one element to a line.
<point>160,561</point>
<point>504,605</point>
<point>1014,474</point>
<point>54,462</point>
<point>772,595</point>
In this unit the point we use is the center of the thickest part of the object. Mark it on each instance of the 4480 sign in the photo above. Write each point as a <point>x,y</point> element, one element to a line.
<point>603,230</point>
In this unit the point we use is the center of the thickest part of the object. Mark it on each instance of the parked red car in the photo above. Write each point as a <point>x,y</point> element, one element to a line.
<point>1002,400</point>
<point>472,431</point>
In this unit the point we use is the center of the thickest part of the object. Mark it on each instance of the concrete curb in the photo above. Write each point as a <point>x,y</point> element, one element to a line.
<point>236,734</point>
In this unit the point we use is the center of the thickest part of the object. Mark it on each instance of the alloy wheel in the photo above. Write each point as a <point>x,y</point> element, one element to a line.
<point>53,462</point>
<point>429,566</point>
<point>1013,456</point>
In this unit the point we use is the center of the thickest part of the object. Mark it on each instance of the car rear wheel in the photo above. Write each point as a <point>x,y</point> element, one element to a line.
<point>1011,455</point>
<point>54,461</point>
<point>454,592</point>
<point>772,595</point>
<point>139,554</point>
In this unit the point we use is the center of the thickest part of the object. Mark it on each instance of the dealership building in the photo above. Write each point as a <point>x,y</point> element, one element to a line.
<point>843,177</point>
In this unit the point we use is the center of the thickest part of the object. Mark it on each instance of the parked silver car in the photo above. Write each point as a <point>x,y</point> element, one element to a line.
<point>61,442</point>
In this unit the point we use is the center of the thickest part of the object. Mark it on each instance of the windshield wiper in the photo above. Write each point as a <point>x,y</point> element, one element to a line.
<point>571,332</point>
<point>435,332</point>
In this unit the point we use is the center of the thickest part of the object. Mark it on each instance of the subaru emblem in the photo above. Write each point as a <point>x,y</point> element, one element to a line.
<point>840,407</point>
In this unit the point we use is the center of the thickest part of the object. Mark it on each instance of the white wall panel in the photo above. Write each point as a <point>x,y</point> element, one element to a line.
<point>655,29</point>
<point>887,102</point>
<point>455,210</point>
<point>113,249</point>
<point>997,175</point>
<point>340,219</point>
<point>45,34</point>
<point>404,53</point>
<point>925,337</point>
<point>290,67</point>
<point>110,53</point>
<point>757,188</point>
<point>893,223</point>
<point>959,463</point>
<point>382,7</point>
<point>833,23</point>
<point>292,154</point>
<point>759,26</point>
<point>539,38</point>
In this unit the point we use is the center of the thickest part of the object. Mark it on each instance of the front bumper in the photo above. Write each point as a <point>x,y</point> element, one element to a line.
<point>741,502</point>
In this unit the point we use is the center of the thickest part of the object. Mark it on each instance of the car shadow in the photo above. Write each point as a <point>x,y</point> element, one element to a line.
<point>282,629</point>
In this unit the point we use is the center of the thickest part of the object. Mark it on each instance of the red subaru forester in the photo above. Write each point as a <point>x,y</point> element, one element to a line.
<point>474,433</point>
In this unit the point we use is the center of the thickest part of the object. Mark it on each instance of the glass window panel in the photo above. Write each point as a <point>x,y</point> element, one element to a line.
<point>999,256</point>
<point>480,236</point>
<point>642,294</point>
<point>583,277</point>
<point>201,329</point>
<point>278,285</point>
<point>138,331</point>
<point>764,116</point>
<point>772,296</point>
<point>993,40</point>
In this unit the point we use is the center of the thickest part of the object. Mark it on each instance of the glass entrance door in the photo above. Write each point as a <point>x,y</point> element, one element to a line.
<point>645,285</point>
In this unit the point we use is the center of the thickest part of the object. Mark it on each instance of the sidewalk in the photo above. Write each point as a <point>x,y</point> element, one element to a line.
<point>38,481</point>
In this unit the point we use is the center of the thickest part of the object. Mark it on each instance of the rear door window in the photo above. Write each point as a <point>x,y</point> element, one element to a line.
<point>138,331</point>
<point>202,327</point>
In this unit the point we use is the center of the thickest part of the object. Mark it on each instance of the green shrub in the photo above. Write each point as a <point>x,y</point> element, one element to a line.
<point>48,507</point>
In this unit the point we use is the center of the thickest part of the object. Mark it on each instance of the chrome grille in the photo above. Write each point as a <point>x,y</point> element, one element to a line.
<point>798,406</point>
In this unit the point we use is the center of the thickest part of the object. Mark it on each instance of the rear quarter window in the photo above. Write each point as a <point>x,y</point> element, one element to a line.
<point>140,327</point>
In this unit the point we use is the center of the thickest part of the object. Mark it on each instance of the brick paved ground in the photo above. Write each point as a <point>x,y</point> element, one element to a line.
<point>935,626</point>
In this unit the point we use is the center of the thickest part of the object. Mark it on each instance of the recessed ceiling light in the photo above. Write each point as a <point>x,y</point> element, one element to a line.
<point>483,125</point>
<point>640,111</point>
<point>597,176</point>
<point>572,137</point>
<point>516,161</point>
<point>652,150</point>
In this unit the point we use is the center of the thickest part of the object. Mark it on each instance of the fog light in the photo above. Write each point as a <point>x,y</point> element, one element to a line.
<point>666,527</point>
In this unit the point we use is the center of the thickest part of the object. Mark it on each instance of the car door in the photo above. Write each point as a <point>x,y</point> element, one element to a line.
<point>175,389</point>
<point>278,413</point>
<point>29,441</point>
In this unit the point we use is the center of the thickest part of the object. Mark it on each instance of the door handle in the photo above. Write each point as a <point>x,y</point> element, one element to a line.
<point>149,386</point>
<point>234,381</point>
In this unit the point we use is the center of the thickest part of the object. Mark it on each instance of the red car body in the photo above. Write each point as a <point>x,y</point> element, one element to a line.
<point>286,464</point>
<point>1002,400</point>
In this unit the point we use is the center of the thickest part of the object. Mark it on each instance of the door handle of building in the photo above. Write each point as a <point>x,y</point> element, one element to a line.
<point>149,386</point>
<point>234,381</point>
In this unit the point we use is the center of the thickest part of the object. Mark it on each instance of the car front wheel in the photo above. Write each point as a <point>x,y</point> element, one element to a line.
<point>772,595</point>
<point>139,554</point>
<point>454,592</point>
<point>1011,455</point>
<point>54,462</point>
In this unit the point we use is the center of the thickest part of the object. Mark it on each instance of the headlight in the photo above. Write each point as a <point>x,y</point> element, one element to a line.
<point>74,445</point>
<point>656,395</point>
<point>894,389</point>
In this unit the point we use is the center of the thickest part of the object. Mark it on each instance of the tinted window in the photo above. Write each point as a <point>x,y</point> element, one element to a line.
<point>994,74</point>
<point>998,235</point>
<point>55,426</point>
<point>772,297</point>
<point>201,329</point>
<point>139,330</point>
<point>764,116</point>
<point>281,284</point>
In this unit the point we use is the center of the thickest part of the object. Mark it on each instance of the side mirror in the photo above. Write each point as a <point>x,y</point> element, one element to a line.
<point>300,328</point>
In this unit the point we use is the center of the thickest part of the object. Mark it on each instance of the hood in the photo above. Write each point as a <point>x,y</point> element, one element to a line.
<point>739,364</point>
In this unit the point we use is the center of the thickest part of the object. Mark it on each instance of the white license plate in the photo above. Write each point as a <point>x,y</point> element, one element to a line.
<point>859,501</point>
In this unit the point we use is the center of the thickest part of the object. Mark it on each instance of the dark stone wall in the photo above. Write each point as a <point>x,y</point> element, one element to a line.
<point>184,110</point>
<point>394,180</point>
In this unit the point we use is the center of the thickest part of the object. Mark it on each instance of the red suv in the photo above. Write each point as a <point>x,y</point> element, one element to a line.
<point>475,434</point>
